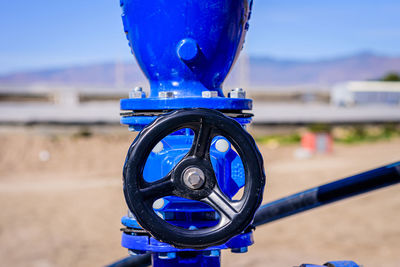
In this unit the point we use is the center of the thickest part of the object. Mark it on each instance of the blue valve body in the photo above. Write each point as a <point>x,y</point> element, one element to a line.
<point>185,48</point>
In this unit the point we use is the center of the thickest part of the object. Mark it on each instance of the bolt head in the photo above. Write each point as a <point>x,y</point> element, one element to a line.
<point>166,94</point>
<point>158,148</point>
<point>193,178</point>
<point>222,145</point>
<point>137,92</point>
<point>209,94</point>
<point>158,204</point>
<point>237,93</point>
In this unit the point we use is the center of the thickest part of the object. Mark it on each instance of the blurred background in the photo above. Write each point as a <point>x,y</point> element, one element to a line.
<point>325,76</point>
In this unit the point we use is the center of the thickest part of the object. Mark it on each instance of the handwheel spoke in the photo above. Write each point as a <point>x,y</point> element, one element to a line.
<point>227,208</point>
<point>158,189</point>
<point>202,141</point>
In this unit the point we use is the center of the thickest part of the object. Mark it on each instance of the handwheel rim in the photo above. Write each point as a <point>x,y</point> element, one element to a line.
<point>224,230</point>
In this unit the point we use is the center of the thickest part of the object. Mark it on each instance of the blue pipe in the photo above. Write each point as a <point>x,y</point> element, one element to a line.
<point>328,193</point>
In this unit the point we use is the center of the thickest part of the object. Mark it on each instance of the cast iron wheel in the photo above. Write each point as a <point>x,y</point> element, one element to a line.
<point>235,215</point>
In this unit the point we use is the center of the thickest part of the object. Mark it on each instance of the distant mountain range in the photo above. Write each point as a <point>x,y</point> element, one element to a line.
<point>364,66</point>
<point>260,72</point>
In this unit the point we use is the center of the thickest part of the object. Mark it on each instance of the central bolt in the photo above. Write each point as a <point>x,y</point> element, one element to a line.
<point>193,178</point>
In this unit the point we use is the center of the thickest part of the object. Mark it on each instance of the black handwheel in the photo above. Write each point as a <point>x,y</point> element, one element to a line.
<point>194,178</point>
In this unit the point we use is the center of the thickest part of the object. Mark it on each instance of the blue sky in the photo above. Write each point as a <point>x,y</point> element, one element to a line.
<point>44,34</point>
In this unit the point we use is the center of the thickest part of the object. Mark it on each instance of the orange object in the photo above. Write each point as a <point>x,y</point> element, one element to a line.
<point>317,142</point>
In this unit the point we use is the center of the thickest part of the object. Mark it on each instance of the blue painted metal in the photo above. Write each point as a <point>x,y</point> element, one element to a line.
<point>156,103</point>
<point>196,259</point>
<point>185,46</point>
<point>144,243</point>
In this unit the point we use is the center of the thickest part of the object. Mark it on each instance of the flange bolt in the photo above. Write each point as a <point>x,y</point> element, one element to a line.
<point>237,93</point>
<point>137,92</point>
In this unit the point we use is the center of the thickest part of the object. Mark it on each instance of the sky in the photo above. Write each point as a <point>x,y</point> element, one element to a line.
<point>45,34</point>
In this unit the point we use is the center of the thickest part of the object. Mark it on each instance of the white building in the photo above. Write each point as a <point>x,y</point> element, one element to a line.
<point>365,93</point>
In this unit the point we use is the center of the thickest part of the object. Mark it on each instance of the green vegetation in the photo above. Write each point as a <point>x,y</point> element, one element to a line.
<point>357,134</point>
<point>340,134</point>
<point>83,133</point>
<point>286,139</point>
<point>391,77</point>
<point>320,128</point>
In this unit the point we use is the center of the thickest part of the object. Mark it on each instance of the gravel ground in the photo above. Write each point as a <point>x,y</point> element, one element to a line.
<point>61,201</point>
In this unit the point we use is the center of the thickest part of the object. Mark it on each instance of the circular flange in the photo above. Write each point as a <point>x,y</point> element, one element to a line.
<point>155,103</point>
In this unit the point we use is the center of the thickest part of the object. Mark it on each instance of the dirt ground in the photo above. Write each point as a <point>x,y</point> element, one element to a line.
<point>61,202</point>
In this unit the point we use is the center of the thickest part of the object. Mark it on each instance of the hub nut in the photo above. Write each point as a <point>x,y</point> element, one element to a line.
<point>193,178</point>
